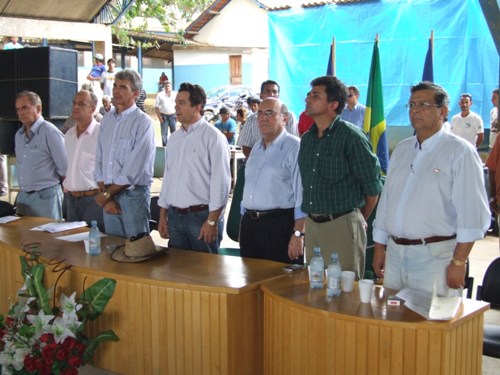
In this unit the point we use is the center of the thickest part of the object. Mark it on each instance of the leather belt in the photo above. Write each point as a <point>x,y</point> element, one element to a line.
<point>258,214</point>
<point>422,241</point>
<point>326,218</point>
<point>191,209</point>
<point>86,193</point>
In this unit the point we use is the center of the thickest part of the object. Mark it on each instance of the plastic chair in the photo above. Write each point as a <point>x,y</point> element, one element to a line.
<point>489,291</point>
<point>234,216</point>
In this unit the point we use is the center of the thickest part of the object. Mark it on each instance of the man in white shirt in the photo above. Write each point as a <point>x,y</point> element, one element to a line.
<point>108,78</point>
<point>81,142</point>
<point>250,133</point>
<point>197,178</point>
<point>494,126</point>
<point>467,124</point>
<point>433,206</point>
<point>165,110</point>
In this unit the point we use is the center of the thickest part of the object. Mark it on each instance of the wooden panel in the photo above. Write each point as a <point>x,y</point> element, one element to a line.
<point>185,313</point>
<point>235,69</point>
<point>368,339</point>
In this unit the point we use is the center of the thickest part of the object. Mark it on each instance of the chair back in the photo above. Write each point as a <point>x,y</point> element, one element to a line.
<point>234,217</point>
<point>159,163</point>
<point>489,291</point>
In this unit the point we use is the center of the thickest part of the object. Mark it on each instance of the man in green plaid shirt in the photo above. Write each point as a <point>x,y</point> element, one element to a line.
<point>340,176</point>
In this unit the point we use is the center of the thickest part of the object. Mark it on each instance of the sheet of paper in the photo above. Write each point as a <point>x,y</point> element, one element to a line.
<point>429,304</point>
<point>78,237</point>
<point>8,219</point>
<point>60,227</point>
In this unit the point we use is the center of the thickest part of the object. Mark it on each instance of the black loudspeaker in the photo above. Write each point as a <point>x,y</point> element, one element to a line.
<point>8,131</point>
<point>50,72</point>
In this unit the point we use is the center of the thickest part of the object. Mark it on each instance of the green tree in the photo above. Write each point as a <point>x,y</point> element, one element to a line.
<point>173,15</point>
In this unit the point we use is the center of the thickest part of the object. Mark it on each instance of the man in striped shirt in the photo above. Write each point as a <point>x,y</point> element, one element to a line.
<point>124,160</point>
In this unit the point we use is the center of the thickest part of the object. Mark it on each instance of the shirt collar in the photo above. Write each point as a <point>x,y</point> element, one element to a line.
<point>125,112</point>
<point>91,128</point>
<point>430,142</point>
<point>193,126</point>
<point>278,141</point>
<point>36,125</point>
<point>334,123</point>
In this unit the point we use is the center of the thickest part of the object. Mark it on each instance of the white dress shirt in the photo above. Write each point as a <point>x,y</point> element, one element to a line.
<point>433,190</point>
<point>165,103</point>
<point>81,158</point>
<point>196,168</point>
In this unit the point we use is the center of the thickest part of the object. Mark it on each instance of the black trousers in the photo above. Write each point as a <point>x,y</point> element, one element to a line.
<point>267,237</point>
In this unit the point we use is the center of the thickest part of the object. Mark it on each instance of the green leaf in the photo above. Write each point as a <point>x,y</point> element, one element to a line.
<point>108,335</point>
<point>97,297</point>
<point>40,292</point>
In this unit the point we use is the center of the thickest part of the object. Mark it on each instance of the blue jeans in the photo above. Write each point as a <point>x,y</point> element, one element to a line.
<point>418,266</point>
<point>45,203</point>
<point>84,209</point>
<point>135,215</point>
<point>184,229</point>
<point>168,121</point>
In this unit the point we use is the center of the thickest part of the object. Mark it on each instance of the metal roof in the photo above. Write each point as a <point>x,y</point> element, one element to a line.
<point>56,10</point>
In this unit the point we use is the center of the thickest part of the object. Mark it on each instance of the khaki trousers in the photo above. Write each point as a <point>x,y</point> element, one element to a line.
<point>345,236</point>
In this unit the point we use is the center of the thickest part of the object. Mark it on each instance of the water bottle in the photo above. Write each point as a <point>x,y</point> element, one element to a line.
<point>94,239</point>
<point>333,287</point>
<point>316,269</point>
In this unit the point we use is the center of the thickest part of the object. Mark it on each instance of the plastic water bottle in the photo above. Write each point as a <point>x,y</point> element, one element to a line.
<point>316,269</point>
<point>94,239</point>
<point>334,273</point>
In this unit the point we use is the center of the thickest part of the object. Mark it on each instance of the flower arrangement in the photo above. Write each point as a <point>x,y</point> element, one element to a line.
<point>36,338</point>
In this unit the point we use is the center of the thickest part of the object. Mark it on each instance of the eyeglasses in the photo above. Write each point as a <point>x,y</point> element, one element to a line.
<point>80,104</point>
<point>267,113</point>
<point>351,95</point>
<point>424,106</point>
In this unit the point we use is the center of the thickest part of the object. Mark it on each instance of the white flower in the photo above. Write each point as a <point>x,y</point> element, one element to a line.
<point>6,363</point>
<point>41,323</point>
<point>61,330</point>
<point>69,306</point>
<point>18,359</point>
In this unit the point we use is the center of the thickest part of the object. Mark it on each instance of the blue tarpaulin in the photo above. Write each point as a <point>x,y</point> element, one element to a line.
<point>465,58</point>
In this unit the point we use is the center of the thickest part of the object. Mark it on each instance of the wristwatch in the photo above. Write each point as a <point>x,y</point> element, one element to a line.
<point>298,233</point>
<point>458,262</point>
<point>211,223</point>
<point>106,194</point>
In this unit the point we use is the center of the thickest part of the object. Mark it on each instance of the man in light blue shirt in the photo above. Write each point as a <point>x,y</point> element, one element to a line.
<point>41,160</point>
<point>354,112</point>
<point>124,160</point>
<point>272,226</point>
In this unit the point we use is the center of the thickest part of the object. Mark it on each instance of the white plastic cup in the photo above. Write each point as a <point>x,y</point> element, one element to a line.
<point>87,245</point>
<point>348,281</point>
<point>365,290</point>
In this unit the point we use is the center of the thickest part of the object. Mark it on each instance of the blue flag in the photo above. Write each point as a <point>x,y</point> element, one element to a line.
<point>428,74</point>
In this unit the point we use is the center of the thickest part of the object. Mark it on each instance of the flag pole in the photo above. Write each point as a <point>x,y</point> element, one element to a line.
<point>333,57</point>
<point>432,41</point>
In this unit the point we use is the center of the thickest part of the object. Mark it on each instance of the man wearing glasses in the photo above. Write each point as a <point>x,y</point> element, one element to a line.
<point>433,206</point>
<point>272,226</point>
<point>340,177</point>
<point>354,111</point>
<point>467,124</point>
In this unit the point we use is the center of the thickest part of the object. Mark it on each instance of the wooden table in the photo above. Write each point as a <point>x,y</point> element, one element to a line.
<point>183,313</point>
<point>305,333</point>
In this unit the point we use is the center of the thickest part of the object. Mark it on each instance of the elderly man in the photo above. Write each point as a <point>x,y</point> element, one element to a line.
<point>81,144</point>
<point>340,176</point>
<point>197,180</point>
<point>124,160</point>
<point>250,133</point>
<point>165,110</point>
<point>41,160</point>
<point>467,124</point>
<point>354,111</point>
<point>272,226</point>
<point>433,206</point>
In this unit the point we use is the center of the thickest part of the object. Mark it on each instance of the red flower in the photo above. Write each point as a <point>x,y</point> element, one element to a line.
<point>62,354</point>
<point>30,363</point>
<point>69,343</point>
<point>75,361</point>
<point>46,337</point>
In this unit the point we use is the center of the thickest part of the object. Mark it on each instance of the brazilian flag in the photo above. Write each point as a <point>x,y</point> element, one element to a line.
<point>374,124</point>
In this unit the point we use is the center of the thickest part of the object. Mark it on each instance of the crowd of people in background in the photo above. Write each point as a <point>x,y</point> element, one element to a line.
<point>308,183</point>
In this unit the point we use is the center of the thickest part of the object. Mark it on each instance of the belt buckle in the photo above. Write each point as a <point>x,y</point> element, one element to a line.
<point>254,214</point>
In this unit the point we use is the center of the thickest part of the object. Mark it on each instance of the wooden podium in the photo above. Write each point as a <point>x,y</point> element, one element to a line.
<point>306,333</point>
